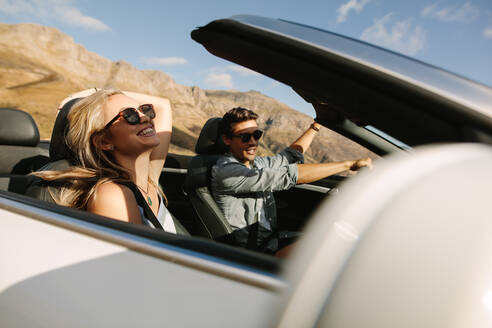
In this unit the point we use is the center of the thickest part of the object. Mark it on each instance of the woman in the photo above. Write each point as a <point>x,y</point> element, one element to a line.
<point>120,141</point>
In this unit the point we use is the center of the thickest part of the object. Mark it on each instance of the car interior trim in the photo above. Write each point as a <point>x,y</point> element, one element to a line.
<point>311,187</point>
<point>174,170</point>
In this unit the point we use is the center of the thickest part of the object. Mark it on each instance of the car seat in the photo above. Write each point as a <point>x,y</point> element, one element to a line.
<point>209,148</point>
<point>20,153</point>
<point>60,155</point>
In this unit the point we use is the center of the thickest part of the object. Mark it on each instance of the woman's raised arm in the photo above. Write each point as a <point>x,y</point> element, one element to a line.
<point>163,124</point>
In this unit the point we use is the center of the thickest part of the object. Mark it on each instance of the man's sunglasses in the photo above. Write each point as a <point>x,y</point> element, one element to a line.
<point>245,137</point>
<point>131,116</point>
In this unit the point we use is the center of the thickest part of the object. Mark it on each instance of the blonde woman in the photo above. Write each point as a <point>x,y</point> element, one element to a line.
<point>120,141</point>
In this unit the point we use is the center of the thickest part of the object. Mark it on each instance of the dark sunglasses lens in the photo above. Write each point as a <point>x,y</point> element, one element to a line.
<point>148,109</point>
<point>131,116</point>
<point>245,137</point>
<point>257,134</point>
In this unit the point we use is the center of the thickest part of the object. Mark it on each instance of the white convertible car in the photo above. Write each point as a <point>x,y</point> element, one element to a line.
<point>407,244</point>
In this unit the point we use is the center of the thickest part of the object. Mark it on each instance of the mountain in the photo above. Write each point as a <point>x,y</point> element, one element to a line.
<point>40,66</point>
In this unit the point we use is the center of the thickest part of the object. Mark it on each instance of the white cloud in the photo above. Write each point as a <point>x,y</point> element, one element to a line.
<point>400,36</point>
<point>222,77</point>
<point>164,61</point>
<point>73,16</point>
<point>487,33</point>
<point>60,10</point>
<point>455,14</point>
<point>219,80</point>
<point>344,10</point>
<point>427,11</point>
<point>243,71</point>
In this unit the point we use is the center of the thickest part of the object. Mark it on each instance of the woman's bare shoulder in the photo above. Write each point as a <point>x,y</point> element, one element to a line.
<point>116,201</point>
<point>113,187</point>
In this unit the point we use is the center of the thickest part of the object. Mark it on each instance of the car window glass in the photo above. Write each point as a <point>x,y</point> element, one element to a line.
<point>388,138</point>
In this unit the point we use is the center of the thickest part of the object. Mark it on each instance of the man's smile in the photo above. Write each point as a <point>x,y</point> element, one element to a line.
<point>251,150</point>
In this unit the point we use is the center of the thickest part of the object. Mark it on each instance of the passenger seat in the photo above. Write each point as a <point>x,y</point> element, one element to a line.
<point>60,155</point>
<point>20,153</point>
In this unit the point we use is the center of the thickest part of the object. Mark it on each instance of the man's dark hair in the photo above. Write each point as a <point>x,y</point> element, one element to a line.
<point>236,115</point>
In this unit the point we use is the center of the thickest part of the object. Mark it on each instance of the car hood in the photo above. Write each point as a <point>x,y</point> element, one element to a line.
<point>355,84</point>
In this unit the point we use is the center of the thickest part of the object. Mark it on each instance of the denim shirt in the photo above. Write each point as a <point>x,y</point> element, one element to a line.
<point>245,195</point>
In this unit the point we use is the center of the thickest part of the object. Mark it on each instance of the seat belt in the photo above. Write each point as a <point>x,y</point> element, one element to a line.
<point>149,214</point>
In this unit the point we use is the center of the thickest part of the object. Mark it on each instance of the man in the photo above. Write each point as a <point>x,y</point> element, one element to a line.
<point>243,184</point>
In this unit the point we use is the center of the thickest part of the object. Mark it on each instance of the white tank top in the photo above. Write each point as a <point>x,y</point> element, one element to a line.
<point>163,216</point>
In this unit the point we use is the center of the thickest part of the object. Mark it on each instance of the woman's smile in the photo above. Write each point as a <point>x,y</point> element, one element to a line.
<point>148,131</point>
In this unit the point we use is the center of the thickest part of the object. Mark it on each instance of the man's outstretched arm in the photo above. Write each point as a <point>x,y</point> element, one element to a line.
<point>304,141</point>
<point>307,173</point>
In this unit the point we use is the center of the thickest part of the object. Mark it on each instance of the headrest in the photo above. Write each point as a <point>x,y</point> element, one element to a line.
<point>17,128</point>
<point>58,147</point>
<point>210,139</point>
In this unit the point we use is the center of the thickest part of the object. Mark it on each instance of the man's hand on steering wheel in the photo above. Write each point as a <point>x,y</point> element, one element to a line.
<point>360,163</point>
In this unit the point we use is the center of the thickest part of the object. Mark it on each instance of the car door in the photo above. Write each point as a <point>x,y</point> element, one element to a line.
<point>66,268</point>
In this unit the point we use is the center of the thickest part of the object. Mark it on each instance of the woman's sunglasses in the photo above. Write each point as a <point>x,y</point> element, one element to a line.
<point>246,137</point>
<point>131,116</point>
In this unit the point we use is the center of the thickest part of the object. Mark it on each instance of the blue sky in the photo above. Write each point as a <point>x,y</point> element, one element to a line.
<point>456,35</point>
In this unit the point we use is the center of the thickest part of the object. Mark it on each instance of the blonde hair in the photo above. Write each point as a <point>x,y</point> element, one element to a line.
<point>94,166</point>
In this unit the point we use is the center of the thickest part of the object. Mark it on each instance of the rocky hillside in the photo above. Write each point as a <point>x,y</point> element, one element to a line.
<point>40,66</point>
